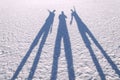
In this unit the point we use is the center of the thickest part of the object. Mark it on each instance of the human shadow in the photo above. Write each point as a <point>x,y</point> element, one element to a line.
<point>84,31</point>
<point>43,33</point>
<point>62,33</point>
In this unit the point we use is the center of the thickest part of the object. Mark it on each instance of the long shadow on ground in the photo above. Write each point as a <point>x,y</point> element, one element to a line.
<point>84,31</point>
<point>62,34</point>
<point>43,33</point>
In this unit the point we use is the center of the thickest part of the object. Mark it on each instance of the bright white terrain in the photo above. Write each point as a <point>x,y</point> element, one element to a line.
<point>21,20</point>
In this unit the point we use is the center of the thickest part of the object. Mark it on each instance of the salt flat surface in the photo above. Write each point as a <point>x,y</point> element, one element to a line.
<point>20,22</point>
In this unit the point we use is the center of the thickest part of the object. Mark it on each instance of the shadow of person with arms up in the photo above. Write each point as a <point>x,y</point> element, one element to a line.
<point>62,33</point>
<point>44,31</point>
<point>84,31</point>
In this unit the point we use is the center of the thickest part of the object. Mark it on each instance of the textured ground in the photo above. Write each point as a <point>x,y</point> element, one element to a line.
<point>20,21</point>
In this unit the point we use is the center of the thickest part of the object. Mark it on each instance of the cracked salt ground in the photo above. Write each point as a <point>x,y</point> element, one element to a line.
<point>21,21</point>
